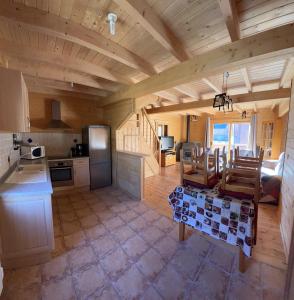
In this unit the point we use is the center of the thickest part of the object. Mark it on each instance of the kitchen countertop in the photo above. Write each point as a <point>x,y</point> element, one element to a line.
<point>28,188</point>
<point>66,158</point>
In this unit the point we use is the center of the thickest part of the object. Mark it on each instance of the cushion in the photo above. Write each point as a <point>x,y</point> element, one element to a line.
<point>280,165</point>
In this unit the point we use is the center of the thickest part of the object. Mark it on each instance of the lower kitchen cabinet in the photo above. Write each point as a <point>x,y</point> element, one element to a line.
<point>81,172</point>
<point>26,229</point>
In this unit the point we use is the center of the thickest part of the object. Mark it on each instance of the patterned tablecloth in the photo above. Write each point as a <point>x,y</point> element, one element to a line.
<point>221,217</point>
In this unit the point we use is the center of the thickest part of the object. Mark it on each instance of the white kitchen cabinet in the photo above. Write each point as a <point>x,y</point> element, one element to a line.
<point>14,102</point>
<point>26,229</point>
<point>81,172</point>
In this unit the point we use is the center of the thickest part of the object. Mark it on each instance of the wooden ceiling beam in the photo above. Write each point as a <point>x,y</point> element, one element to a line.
<point>55,73</point>
<point>267,46</point>
<point>212,85</point>
<point>282,94</point>
<point>151,22</point>
<point>33,82</point>
<point>13,49</point>
<point>56,26</point>
<point>245,75</point>
<point>31,54</point>
<point>230,14</point>
<point>288,72</point>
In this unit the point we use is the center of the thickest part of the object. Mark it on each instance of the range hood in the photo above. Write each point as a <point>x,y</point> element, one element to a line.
<point>56,122</point>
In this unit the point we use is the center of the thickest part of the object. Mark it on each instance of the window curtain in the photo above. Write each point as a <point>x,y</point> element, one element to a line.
<point>252,136</point>
<point>207,134</point>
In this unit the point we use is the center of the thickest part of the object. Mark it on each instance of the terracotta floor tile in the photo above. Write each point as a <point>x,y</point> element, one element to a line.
<point>131,284</point>
<point>135,247</point>
<point>75,239</point>
<point>151,234</point>
<point>166,247</point>
<point>104,245</point>
<point>59,290</point>
<point>222,257</point>
<point>108,293</point>
<point>70,227</point>
<point>68,217</point>
<point>170,284</point>
<point>88,281</point>
<point>129,215</point>
<point>113,223</point>
<point>84,212</point>
<point>187,263</point>
<point>211,283</point>
<point>151,293</point>
<point>56,268</point>
<point>115,263</point>
<point>81,257</point>
<point>95,232</point>
<point>30,293</point>
<point>89,221</point>
<point>241,290</point>
<point>138,224</point>
<point>123,233</point>
<point>150,263</point>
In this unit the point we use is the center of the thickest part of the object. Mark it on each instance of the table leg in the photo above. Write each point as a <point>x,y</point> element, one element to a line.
<point>241,261</point>
<point>181,231</point>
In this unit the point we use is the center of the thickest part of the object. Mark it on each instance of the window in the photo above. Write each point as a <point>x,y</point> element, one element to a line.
<point>240,135</point>
<point>231,135</point>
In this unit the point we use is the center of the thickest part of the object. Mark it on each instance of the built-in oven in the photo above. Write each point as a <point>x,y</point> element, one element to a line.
<point>61,172</point>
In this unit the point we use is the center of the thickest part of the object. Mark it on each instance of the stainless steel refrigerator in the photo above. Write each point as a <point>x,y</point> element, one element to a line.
<point>96,139</point>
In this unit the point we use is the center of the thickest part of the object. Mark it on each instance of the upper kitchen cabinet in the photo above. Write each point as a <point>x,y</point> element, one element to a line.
<point>14,102</point>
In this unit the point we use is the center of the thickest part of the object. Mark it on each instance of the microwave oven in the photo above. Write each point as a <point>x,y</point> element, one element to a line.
<point>32,152</point>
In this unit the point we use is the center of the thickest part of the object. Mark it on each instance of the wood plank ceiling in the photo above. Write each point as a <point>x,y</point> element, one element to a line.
<point>65,45</point>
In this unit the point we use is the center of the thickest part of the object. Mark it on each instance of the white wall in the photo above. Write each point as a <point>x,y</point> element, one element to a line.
<point>56,143</point>
<point>6,149</point>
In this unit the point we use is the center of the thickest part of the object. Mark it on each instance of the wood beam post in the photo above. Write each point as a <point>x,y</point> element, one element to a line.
<point>230,14</point>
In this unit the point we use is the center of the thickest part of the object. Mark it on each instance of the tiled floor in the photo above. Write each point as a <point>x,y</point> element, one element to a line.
<point>109,246</point>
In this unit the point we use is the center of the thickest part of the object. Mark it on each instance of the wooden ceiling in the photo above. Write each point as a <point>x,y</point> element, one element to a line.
<point>65,45</point>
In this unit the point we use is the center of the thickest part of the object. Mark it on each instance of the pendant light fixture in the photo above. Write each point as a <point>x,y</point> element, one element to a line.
<point>223,101</point>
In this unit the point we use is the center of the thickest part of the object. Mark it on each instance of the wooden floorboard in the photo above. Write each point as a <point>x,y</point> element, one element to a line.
<point>269,247</point>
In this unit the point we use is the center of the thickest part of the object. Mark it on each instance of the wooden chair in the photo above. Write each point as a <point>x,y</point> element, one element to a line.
<point>203,170</point>
<point>241,178</point>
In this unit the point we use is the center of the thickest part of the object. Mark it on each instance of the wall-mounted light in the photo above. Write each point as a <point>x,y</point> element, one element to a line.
<point>112,18</point>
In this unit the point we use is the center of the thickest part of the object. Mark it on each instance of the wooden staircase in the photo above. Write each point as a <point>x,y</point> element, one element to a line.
<point>138,135</point>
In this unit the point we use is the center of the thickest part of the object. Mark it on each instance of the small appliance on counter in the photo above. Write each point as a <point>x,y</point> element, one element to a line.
<point>78,151</point>
<point>32,152</point>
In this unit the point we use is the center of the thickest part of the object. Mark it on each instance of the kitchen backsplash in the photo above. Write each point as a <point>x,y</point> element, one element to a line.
<point>56,143</point>
<point>6,149</point>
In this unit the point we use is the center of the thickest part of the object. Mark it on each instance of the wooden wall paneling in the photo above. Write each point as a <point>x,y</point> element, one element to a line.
<point>76,112</point>
<point>287,214</point>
